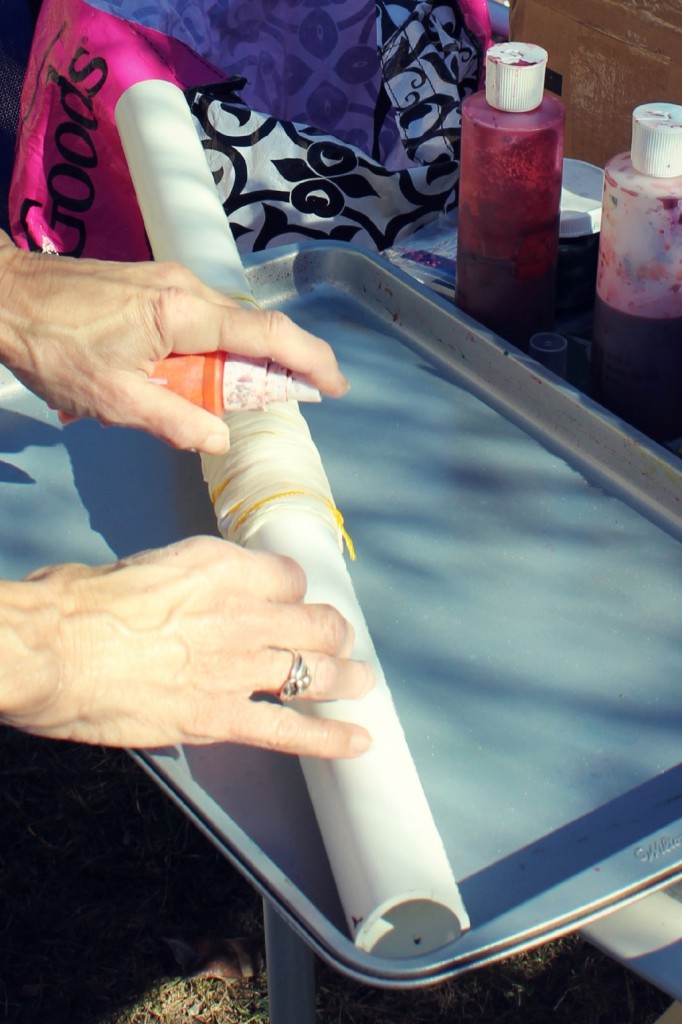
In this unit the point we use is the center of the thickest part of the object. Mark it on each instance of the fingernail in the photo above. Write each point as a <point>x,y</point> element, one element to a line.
<point>217,444</point>
<point>360,742</point>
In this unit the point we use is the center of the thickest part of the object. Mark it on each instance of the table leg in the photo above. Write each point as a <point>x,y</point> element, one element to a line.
<point>291,971</point>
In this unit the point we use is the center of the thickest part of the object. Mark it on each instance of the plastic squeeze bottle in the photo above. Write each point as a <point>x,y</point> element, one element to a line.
<point>510,195</point>
<point>221,382</point>
<point>637,330</point>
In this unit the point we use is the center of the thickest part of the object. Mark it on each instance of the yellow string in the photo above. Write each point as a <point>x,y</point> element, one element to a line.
<point>336,513</point>
<point>215,494</point>
<point>245,298</point>
<point>342,529</point>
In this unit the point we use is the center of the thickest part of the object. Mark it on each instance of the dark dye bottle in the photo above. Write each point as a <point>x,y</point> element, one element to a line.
<point>509,196</point>
<point>582,190</point>
<point>637,331</point>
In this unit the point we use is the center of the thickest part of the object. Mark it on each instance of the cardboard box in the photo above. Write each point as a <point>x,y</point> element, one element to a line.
<point>605,58</point>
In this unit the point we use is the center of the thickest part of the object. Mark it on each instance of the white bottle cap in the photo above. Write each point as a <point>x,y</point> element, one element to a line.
<point>657,139</point>
<point>515,76</point>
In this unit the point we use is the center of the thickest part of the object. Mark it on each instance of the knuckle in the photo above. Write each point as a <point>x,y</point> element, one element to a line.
<point>170,274</point>
<point>325,676</point>
<point>286,731</point>
<point>295,733</point>
<point>201,548</point>
<point>276,323</point>
<point>169,302</point>
<point>203,544</point>
<point>333,629</point>
<point>294,572</point>
<point>168,299</point>
<point>330,736</point>
<point>369,678</point>
<point>324,350</point>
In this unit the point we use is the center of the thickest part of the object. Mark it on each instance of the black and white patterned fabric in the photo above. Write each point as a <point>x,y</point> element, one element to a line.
<point>430,61</point>
<point>283,180</point>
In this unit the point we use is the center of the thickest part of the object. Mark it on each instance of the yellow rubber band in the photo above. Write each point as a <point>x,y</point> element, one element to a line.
<point>248,512</point>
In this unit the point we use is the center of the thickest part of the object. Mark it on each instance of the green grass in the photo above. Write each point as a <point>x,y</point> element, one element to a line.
<point>97,868</point>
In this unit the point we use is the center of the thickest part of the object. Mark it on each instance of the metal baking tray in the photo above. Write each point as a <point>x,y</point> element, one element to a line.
<point>520,568</point>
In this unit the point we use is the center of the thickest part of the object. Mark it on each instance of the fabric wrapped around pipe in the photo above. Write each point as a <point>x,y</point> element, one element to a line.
<point>271,492</point>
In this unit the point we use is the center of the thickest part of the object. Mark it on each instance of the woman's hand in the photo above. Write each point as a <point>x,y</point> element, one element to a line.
<point>84,334</point>
<point>170,646</point>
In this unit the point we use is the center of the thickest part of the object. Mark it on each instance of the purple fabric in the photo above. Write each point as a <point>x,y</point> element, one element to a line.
<point>311,63</point>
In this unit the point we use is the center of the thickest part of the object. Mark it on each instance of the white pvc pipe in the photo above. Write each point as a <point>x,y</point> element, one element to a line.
<point>395,882</point>
<point>180,206</point>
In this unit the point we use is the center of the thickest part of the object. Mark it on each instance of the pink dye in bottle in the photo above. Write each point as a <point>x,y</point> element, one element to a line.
<point>510,196</point>
<point>637,330</point>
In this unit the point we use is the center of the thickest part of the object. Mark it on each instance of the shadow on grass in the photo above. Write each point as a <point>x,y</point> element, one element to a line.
<point>97,866</point>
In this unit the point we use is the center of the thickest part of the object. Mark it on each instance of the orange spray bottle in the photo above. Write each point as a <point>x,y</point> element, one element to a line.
<point>221,382</point>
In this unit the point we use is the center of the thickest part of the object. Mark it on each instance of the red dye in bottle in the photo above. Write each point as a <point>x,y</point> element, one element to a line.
<point>637,331</point>
<point>510,196</point>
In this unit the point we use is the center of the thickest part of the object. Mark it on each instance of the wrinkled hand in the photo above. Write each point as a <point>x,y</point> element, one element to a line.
<point>169,646</point>
<point>84,334</point>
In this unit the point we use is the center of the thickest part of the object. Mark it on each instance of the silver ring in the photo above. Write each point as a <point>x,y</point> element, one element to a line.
<point>298,680</point>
